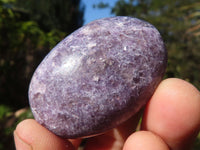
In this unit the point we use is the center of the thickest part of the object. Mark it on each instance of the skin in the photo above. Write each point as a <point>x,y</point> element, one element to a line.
<point>171,121</point>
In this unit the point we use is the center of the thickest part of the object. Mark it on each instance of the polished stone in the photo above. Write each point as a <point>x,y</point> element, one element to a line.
<point>98,77</point>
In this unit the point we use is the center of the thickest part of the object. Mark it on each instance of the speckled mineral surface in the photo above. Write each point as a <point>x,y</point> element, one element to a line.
<point>98,77</point>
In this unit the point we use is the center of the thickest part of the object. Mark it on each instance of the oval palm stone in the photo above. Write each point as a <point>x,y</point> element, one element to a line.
<point>98,77</point>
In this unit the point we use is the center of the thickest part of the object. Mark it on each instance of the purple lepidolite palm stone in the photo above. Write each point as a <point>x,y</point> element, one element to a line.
<point>98,77</point>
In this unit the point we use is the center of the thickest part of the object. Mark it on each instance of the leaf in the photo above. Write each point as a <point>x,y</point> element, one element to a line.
<point>101,5</point>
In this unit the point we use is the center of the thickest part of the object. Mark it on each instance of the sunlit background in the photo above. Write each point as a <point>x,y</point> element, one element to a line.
<point>30,29</point>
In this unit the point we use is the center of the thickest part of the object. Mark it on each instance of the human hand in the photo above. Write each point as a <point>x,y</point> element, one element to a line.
<point>171,121</point>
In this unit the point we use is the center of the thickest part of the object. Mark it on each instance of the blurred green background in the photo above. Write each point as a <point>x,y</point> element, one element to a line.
<point>29,29</point>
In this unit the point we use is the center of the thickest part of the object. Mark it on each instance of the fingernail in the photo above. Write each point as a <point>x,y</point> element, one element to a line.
<point>20,144</point>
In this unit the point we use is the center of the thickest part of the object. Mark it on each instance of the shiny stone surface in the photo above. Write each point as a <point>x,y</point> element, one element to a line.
<point>98,77</point>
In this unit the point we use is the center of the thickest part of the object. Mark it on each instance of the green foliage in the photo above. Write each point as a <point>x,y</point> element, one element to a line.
<point>28,30</point>
<point>62,15</point>
<point>4,111</point>
<point>101,5</point>
<point>178,23</point>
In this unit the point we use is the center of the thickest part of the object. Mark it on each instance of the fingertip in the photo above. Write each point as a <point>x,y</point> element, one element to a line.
<point>20,144</point>
<point>30,134</point>
<point>144,140</point>
<point>173,113</point>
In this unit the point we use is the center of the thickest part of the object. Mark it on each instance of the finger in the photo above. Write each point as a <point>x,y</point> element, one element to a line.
<point>115,138</point>
<point>145,140</point>
<point>31,135</point>
<point>173,113</point>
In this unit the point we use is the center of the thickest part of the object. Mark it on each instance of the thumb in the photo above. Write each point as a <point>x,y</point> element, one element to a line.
<point>30,135</point>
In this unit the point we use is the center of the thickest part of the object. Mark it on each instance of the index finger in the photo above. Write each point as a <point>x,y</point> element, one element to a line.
<point>173,113</point>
